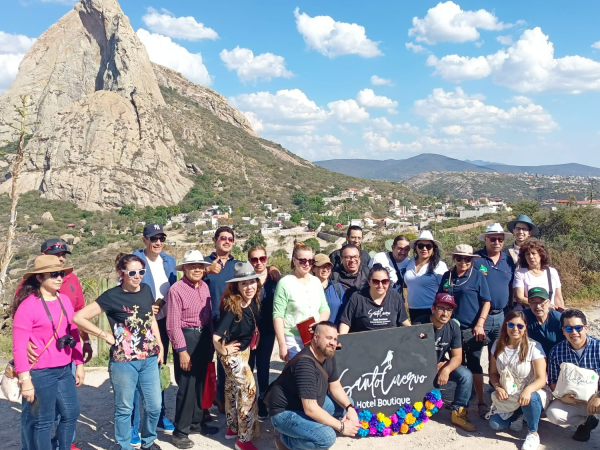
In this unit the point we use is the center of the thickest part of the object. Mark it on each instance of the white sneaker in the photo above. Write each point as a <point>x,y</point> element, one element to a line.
<point>517,425</point>
<point>532,442</point>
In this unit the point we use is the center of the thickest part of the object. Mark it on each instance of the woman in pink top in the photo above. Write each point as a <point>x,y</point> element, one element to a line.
<point>45,318</point>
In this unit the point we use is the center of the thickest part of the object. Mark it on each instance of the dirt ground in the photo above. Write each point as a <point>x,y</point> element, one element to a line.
<point>95,428</point>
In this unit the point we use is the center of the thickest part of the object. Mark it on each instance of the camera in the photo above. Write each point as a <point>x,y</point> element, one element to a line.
<point>66,341</point>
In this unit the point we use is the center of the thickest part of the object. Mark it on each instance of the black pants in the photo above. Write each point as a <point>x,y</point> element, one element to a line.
<point>415,313</point>
<point>188,406</point>
<point>164,337</point>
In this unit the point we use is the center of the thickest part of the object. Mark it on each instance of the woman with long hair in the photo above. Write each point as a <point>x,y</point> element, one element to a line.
<point>518,374</point>
<point>423,274</point>
<point>471,293</point>
<point>261,357</point>
<point>136,348</point>
<point>374,307</point>
<point>535,271</point>
<point>299,296</point>
<point>235,336</point>
<point>44,317</point>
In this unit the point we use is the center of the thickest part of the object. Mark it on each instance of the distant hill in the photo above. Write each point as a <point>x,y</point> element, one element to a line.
<point>395,170</point>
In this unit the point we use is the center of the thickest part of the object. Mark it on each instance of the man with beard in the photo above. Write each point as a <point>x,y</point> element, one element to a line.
<point>298,403</point>
<point>351,274</point>
<point>354,235</point>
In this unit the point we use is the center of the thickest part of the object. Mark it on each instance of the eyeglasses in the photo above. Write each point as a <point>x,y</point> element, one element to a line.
<point>444,310</point>
<point>537,304</point>
<point>261,259</point>
<point>154,239</point>
<point>578,328</point>
<point>61,247</point>
<point>133,273</point>
<point>461,259</point>
<point>518,229</point>
<point>225,238</point>
<point>511,325</point>
<point>383,283</point>
<point>305,262</point>
<point>496,239</point>
<point>351,258</point>
<point>422,246</point>
<point>61,274</point>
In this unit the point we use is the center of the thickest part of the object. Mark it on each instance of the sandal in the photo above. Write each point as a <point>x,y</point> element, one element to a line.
<point>483,414</point>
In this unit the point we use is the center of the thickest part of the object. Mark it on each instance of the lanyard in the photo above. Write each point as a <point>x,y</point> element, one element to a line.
<point>50,315</point>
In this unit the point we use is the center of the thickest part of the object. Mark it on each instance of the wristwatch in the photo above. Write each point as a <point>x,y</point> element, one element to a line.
<point>348,406</point>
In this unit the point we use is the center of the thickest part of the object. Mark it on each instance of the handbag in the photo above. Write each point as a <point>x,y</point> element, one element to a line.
<point>210,386</point>
<point>10,386</point>
<point>256,335</point>
<point>583,383</point>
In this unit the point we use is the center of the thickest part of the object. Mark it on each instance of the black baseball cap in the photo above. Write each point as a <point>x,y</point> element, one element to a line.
<point>152,229</point>
<point>54,247</point>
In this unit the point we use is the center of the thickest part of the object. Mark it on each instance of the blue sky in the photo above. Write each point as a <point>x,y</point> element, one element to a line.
<point>511,82</point>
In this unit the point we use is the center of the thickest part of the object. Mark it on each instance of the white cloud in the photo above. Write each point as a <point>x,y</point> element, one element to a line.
<point>457,108</point>
<point>373,141</point>
<point>12,50</point>
<point>368,99</point>
<point>162,50</point>
<point>452,130</point>
<point>285,111</point>
<point>331,38</point>
<point>528,65</point>
<point>384,125</point>
<point>347,111</point>
<point>378,81</point>
<point>251,68</point>
<point>314,146</point>
<point>255,122</point>
<point>167,24</point>
<point>596,45</point>
<point>520,100</point>
<point>415,47</point>
<point>447,22</point>
<point>505,40</point>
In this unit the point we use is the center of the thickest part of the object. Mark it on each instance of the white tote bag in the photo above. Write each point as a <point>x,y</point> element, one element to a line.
<point>576,380</point>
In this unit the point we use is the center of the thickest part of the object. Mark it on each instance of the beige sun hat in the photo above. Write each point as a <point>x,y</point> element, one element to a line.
<point>464,250</point>
<point>47,264</point>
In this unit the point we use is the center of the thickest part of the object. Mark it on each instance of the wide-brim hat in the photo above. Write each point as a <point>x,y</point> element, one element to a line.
<point>535,231</point>
<point>494,228</point>
<point>191,257</point>
<point>47,264</point>
<point>243,271</point>
<point>425,236</point>
<point>464,250</point>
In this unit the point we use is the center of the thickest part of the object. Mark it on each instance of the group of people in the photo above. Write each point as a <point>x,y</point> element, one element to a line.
<point>504,296</point>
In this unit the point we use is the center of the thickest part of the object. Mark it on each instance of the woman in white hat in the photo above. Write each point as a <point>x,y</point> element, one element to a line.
<point>471,293</point>
<point>423,274</point>
<point>45,318</point>
<point>234,337</point>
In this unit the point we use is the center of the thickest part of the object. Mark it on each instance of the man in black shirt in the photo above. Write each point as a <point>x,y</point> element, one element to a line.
<point>448,337</point>
<point>351,274</point>
<point>298,403</point>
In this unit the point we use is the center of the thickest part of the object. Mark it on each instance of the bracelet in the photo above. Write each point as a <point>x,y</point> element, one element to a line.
<point>348,406</point>
<point>341,430</point>
<point>26,390</point>
<point>25,378</point>
<point>88,342</point>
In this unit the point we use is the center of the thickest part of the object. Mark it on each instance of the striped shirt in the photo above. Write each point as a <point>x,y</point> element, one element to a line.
<point>563,352</point>
<point>187,307</point>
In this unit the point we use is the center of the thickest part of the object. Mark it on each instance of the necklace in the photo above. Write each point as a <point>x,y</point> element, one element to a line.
<point>458,285</point>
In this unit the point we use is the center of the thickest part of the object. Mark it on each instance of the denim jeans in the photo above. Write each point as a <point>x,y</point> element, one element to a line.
<point>493,326</point>
<point>55,391</point>
<point>57,418</point>
<point>261,357</point>
<point>532,413</point>
<point>300,432</point>
<point>127,378</point>
<point>135,415</point>
<point>464,385</point>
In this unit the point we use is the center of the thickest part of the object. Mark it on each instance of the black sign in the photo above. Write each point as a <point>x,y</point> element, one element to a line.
<point>382,370</point>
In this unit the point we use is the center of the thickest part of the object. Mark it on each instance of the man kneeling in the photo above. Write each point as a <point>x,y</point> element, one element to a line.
<point>299,406</point>
<point>448,337</point>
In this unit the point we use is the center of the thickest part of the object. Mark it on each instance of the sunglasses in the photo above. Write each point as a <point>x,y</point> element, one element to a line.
<point>61,247</point>
<point>57,274</point>
<point>305,262</point>
<point>422,246</point>
<point>154,239</point>
<point>133,273</point>
<point>511,325</point>
<point>225,238</point>
<point>377,282</point>
<point>261,259</point>
<point>461,259</point>
<point>496,239</point>
<point>578,328</point>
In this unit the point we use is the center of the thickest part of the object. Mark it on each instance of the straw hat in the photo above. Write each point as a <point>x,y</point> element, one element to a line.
<point>47,264</point>
<point>191,257</point>
<point>425,236</point>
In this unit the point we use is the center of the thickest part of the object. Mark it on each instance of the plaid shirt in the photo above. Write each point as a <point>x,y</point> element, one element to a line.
<point>563,352</point>
<point>187,307</point>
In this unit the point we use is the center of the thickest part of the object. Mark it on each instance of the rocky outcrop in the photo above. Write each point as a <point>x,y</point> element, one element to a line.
<point>205,97</point>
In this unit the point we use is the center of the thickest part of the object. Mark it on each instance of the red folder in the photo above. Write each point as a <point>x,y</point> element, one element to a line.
<point>304,328</point>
